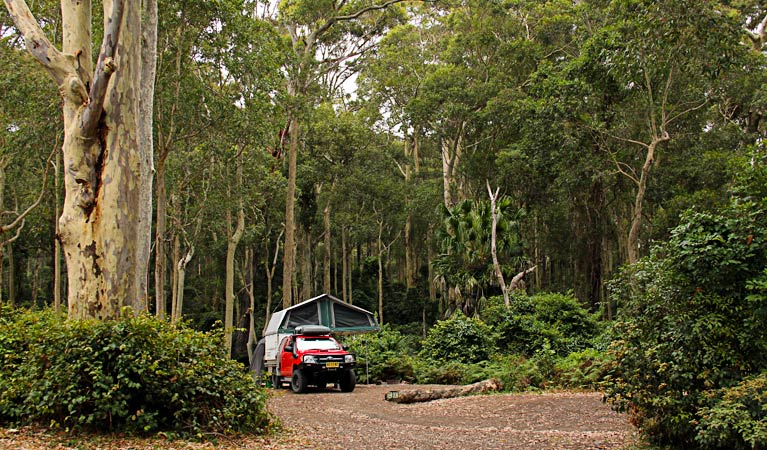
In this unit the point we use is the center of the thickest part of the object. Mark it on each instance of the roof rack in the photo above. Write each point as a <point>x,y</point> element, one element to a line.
<point>312,330</point>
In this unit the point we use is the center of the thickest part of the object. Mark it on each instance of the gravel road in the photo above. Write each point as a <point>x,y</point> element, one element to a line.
<point>364,420</point>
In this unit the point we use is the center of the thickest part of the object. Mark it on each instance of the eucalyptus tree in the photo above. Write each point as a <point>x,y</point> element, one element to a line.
<point>104,226</point>
<point>222,69</point>
<point>392,78</point>
<point>324,37</point>
<point>665,58</point>
<point>181,116</point>
<point>29,132</point>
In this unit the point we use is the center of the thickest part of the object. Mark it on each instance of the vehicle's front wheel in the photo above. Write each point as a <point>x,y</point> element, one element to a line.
<point>298,382</point>
<point>348,381</point>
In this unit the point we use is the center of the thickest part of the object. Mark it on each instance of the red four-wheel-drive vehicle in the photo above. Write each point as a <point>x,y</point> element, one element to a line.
<point>311,357</point>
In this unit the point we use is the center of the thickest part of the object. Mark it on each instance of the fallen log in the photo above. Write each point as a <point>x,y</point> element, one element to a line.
<point>427,395</point>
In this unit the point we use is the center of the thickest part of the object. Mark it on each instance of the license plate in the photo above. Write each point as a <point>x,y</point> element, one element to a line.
<point>332,365</point>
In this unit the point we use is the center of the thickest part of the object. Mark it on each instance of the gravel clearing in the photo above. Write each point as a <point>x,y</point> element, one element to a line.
<point>364,420</point>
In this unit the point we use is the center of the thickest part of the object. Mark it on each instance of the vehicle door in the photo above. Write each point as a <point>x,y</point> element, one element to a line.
<point>286,356</point>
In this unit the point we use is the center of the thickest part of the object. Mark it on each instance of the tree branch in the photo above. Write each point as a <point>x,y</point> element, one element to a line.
<point>20,218</point>
<point>58,65</point>
<point>105,67</point>
<point>686,111</point>
<point>320,31</point>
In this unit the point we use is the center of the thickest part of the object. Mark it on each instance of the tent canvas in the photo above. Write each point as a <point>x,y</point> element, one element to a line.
<point>324,310</point>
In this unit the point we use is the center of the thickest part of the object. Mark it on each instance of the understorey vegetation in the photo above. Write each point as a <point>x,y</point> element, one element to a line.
<point>138,375</point>
<point>686,357</point>
<point>542,341</point>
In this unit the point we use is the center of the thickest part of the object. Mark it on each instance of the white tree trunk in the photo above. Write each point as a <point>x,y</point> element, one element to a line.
<point>493,241</point>
<point>103,227</point>
<point>231,248</point>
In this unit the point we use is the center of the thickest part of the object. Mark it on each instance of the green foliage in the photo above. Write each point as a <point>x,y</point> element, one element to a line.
<point>692,318</point>
<point>581,370</point>
<point>548,319</point>
<point>137,375</point>
<point>460,339</point>
<point>386,355</point>
<point>738,417</point>
<point>464,239</point>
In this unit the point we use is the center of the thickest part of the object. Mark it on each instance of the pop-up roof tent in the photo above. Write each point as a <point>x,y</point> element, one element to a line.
<point>323,310</point>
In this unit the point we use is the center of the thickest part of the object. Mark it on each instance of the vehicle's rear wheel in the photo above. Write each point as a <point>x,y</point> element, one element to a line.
<point>348,381</point>
<point>299,382</point>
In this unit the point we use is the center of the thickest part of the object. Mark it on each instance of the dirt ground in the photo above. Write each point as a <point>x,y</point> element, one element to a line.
<point>364,420</point>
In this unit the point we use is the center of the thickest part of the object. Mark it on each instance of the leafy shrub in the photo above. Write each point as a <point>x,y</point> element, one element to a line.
<point>738,417</point>
<point>581,370</point>
<point>383,356</point>
<point>460,339</point>
<point>552,319</point>
<point>691,321</point>
<point>453,372</point>
<point>137,374</point>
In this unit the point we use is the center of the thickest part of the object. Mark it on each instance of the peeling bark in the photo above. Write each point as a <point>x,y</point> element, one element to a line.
<point>101,236</point>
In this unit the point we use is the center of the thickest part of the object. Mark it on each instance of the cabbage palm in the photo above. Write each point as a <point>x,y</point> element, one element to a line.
<point>464,266</point>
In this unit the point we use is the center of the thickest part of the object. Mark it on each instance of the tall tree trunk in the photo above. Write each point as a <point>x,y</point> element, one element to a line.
<point>3,165</point>
<point>232,242</point>
<point>250,283</point>
<point>180,280</point>
<point>452,152</point>
<point>56,245</point>
<point>148,44</point>
<point>102,230</point>
<point>636,214</point>
<point>306,265</point>
<point>11,276</point>
<point>270,275</point>
<point>174,278</point>
<point>409,271</point>
<point>493,240</point>
<point>160,258</point>
<point>380,273</point>
<point>326,263</point>
<point>344,264</point>
<point>288,261</point>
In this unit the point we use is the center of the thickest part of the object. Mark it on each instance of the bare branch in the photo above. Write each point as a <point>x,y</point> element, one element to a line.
<point>651,103</point>
<point>618,138</point>
<point>354,15</point>
<point>15,236</point>
<point>59,66</point>
<point>686,111</point>
<point>20,218</point>
<point>664,122</point>
<point>514,285</point>
<point>105,67</point>
<point>401,170</point>
<point>620,167</point>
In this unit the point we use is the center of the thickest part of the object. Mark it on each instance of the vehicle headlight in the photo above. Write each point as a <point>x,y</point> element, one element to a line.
<point>349,358</point>
<point>309,359</point>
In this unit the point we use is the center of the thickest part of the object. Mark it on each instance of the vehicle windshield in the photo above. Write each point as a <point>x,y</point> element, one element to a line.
<point>316,343</point>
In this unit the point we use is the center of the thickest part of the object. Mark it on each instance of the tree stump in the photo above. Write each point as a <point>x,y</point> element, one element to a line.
<point>419,395</point>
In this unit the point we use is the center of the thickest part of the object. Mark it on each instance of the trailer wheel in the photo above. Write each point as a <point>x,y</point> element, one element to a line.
<point>298,382</point>
<point>348,381</point>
